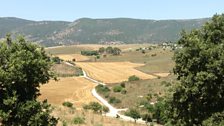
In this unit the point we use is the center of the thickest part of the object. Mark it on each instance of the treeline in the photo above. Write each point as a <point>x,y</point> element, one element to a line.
<point>110,50</point>
<point>89,53</point>
<point>102,50</point>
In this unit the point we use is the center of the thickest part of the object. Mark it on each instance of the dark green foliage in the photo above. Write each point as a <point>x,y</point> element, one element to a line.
<point>113,51</point>
<point>78,120</point>
<point>102,89</point>
<point>116,51</point>
<point>98,57</point>
<point>114,100</point>
<point>67,104</point>
<point>217,119</point>
<point>105,109</point>
<point>102,50</point>
<point>200,69</point>
<point>109,50</point>
<point>133,78</point>
<point>133,113</point>
<point>122,84</point>
<point>56,60</point>
<point>89,53</point>
<point>117,88</point>
<point>23,68</point>
<point>96,107</point>
<point>123,91</point>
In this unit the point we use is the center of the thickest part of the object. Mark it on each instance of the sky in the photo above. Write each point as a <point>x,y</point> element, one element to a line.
<point>70,10</point>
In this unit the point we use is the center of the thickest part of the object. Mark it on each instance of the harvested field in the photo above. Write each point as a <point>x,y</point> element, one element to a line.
<point>70,57</point>
<point>74,89</point>
<point>161,74</point>
<point>113,72</point>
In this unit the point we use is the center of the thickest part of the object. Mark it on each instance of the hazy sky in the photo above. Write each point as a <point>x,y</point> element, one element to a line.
<point>70,10</point>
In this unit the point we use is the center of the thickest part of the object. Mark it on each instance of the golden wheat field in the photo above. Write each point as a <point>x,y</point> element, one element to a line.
<point>113,72</point>
<point>70,57</point>
<point>76,90</point>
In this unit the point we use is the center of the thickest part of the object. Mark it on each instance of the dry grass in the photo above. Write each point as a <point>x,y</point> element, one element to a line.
<point>70,57</point>
<point>78,48</point>
<point>137,90</point>
<point>113,72</point>
<point>91,119</point>
<point>64,70</point>
<point>74,89</point>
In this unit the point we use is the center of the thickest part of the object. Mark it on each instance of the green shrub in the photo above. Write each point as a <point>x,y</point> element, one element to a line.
<point>102,89</point>
<point>123,91</point>
<point>78,120</point>
<point>133,78</point>
<point>67,104</point>
<point>89,53</point>
<point>105,109</point>
<point>133,113</point>
<point>117,88</point>
<point>98,57</point>
<point>114,100</point>
<point>122,84</point>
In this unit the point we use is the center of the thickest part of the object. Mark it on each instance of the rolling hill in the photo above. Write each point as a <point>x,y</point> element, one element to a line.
<point>86,30</point>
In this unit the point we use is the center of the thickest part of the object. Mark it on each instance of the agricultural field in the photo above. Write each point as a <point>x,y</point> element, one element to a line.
<point>72,57</point>
<point>76,90</point>
<point>64,70</point>
<point>153,66</point>
<point>112,72</point>
<point>76,49</point>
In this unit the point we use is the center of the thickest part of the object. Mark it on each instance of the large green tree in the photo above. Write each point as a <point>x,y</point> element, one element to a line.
<point>23,68</point>
<point>200,71</point>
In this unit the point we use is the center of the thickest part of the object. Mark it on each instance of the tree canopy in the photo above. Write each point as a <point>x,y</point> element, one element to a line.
<point>200,71</point>
<point>23,68</point>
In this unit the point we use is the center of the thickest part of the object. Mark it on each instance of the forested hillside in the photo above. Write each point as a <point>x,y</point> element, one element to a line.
<point>86,30</point>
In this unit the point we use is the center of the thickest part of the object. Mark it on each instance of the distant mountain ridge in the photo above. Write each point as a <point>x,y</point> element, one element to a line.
<point>93,31</point>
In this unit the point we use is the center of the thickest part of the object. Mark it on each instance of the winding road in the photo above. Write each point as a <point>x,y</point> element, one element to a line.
<point>113,112</point>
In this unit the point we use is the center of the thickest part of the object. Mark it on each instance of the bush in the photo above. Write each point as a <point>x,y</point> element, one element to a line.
<point>56,60</point>
<point>133,78</point>
<point>133,113</point>
<point>98,57</point>
<point>96,107</point>
<point>114,100</point>
<point>123,84</point>
<point>117,88</point>
<point>102,89</point>
<point>67,104</point>
<point>217,119</point>
<point>89,53</point>
<point>105,109</point>
<point>123,91</point>
<point>78,120</point>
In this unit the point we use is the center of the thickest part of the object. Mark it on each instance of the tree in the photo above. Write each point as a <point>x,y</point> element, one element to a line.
<point>133,113</point>
<point>199,69</point>
<point>109,50</point>
<point>101,50</point>
<point>23,68</point>
<point>116,51</point>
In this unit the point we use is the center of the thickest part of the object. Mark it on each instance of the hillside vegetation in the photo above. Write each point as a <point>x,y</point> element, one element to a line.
<point>86,30</point>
